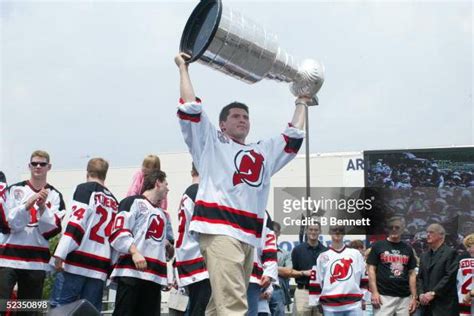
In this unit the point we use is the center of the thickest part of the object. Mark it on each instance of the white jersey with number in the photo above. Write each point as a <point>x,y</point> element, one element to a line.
<point>84,245</point>
<point>234,178</point>
<point>189,260</point>
<point>337,281</point>
<point>26,244</point>
<point>464,283</point>
<point>265,262</point>
<point>143,224</point>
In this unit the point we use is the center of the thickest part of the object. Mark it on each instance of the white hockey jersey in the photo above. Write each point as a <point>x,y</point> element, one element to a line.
<point>84,246</point>
<point>464,284</point>
<point>141,223</point>
<point>234,177</point>
<point>337,281</point>
<point>26,245</point>
<point>265,260</point>
<point>189,260</point>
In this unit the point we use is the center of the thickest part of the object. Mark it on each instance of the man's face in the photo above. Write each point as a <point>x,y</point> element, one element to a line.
<point>313,233</point>
<point>237,125</point>
<point>337,234</point>
<point>395,229</point>
<point>432,236</point>
<point>39,167</point>
<point>162,189</point>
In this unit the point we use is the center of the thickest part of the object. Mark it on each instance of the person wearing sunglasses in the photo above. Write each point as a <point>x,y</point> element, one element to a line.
<point>34,210</point>
<point>392,277</point>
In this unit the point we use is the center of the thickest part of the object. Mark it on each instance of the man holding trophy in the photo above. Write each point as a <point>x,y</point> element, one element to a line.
<point>235,176</point>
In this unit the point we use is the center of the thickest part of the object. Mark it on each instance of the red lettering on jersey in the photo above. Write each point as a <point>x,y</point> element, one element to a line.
<point>156,228</point>
<point>249,168</point>
<point>342,268</point>
<point>106,201</point>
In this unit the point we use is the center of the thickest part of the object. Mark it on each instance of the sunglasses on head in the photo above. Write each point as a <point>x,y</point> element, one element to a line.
<point>36,164</point>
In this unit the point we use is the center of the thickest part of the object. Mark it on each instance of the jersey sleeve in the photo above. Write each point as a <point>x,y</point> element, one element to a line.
<point>122,234</point>
<point>269,253</point>
<point>196,128</point>
<point>314,286</point>
<point>17,216</point>
<point>49,223</point>
<point>283,148</point>
<point>77,224</point>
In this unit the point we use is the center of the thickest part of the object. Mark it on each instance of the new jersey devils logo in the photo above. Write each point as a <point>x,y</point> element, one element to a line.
<point>341,270</point>
<point>155,228</point>
<point>249,168</point>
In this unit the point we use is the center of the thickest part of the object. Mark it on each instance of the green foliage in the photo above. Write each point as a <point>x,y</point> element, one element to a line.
<point>48,282</point>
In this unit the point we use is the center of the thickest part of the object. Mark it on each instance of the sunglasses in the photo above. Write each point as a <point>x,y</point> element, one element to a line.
<point>36,164</point>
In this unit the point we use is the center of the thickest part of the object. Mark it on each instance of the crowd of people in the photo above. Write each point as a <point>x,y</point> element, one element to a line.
<point>226,253</point>
<point>417,189</point>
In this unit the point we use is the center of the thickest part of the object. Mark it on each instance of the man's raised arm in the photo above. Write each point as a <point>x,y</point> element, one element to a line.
<point>185,86</point>
<point>299,114</point>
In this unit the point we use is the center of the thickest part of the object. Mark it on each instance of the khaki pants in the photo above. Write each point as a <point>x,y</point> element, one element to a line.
<point>229,262</point>
<point>393,306</point>
<point>302,304</point>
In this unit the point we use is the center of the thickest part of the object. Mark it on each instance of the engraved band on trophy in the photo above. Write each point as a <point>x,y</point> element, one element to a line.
<point>227,41</point>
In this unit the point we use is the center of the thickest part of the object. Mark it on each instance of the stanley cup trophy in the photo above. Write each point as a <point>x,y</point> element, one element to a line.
<point>225,40</point>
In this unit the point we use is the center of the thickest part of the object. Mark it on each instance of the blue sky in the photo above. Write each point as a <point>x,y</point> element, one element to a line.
<point>97,78</point>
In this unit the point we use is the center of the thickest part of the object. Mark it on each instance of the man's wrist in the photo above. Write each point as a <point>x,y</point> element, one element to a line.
<point>300,103</point>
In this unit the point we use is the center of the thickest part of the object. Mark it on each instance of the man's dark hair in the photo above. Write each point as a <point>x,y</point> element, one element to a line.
<point>226,110</point>
<point>2,177</point>
<point>151,178</point>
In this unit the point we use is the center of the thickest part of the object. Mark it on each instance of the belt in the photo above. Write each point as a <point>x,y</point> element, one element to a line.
<point>303,286</point>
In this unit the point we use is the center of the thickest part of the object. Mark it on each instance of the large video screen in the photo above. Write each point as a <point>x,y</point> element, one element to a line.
<point>426,186</point>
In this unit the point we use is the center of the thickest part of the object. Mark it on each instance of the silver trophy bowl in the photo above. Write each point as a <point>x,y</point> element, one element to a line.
<point>229,42</point>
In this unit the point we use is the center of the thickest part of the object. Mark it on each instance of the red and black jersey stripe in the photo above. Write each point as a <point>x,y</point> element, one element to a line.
<point>218,214</point>
<point>116,233</point>
<point>195,118</point>
<point>53,232</point>
<point>24,253</point>
<point>257,271</point>
<point>292,144</point>
<point>314,289</point>
<point>269,255</point>
<point>153,266</point>
<point>190,267</point>
<point>88,261</point>
<point>464,309</point>
<point>340,299</point>
<point>75,231</point>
